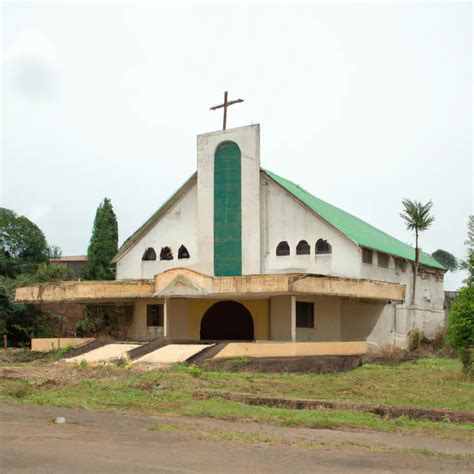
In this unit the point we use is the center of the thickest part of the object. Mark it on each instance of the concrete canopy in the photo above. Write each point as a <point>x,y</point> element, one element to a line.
<point>182,282</point>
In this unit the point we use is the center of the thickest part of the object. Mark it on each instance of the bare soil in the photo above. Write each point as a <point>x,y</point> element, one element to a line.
<point>303,364</point>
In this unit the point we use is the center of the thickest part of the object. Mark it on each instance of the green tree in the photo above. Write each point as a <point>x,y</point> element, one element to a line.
<point>460,333</point>
<point>103,244</point>
<point>446,259</point>
<point>417,217</point>
<point>468,264</point>
<point>22,244</point>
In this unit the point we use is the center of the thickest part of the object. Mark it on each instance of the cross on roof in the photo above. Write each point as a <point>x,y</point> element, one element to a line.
<point>225,105</point>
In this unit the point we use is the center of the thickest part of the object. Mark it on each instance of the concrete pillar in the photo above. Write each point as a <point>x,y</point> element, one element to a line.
<point>293,318</point>
<point>165,318</point>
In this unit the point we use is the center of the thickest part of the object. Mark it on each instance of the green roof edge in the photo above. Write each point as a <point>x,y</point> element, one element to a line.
<point>359,231</point>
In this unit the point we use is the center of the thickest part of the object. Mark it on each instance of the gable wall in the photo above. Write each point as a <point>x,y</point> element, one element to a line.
<point>283,218</point>
<point>178,226</point>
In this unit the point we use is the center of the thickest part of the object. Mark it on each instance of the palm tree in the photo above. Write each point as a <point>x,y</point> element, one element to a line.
<point>417,217</point>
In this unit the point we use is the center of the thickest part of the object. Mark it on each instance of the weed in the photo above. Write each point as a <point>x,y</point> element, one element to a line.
<point>239,360</point>
<point>166,427</point>
<point>124,363</point>
<point>194,371</point>
<point>83,364</point>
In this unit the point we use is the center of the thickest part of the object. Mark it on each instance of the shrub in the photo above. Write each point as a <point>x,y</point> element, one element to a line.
<point>461,327</point>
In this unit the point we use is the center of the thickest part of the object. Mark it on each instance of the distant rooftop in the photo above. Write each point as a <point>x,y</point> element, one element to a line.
<point>72,258</point>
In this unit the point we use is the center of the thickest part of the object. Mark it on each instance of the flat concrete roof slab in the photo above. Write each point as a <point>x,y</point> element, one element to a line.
<point>105,353</point>
<point>172,354</point>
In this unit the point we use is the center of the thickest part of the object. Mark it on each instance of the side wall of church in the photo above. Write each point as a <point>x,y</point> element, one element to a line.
<point>427,313</point>
<point>178,226</point>
<point>285,219</point>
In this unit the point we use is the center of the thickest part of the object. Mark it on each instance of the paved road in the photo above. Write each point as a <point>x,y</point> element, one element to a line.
<point>92,442</point>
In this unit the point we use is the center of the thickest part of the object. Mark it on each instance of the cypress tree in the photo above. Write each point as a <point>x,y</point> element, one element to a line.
<point>103,244</point>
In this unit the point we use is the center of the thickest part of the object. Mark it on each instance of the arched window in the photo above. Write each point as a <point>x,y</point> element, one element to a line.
<point>149,254</point>
<point>166,254</point>
<point>283,249</point>
<point>323,246</point>
<point>183,252</point>
<point>303,248</point>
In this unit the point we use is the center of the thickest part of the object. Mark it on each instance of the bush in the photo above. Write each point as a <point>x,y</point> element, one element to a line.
<point>461,327</point>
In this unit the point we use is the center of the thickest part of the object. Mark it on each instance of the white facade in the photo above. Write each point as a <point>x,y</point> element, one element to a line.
<point>176,227</point>
<point>271,215</point>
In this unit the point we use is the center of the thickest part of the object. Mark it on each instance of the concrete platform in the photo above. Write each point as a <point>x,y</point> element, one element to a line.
<point>291,349</point>
<point>172,354</point>
<point>105,354</point>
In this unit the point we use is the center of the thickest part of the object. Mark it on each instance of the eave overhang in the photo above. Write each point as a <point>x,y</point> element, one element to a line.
<point>186,283</point>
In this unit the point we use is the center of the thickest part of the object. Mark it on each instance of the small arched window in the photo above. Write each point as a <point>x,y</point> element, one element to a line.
<point>149,254</point>
<point>303,248</point>
<point>283,249</point>
<point>166,254</point>
<point>183,252</point>
<point>323,246</point>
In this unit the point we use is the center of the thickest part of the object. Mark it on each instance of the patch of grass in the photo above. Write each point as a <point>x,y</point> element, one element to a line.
<point>167,427</point>
<point>60,353</point>
<point>239,360</point>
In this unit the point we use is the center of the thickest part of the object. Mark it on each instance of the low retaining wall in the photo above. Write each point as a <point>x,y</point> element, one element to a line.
<point>54,343</point>
<point>291,349</point>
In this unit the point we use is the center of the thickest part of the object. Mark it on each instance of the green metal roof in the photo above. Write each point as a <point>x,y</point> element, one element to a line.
<point>356,229</point>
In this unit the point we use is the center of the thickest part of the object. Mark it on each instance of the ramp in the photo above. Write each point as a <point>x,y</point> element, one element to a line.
<point>172,354</point>
<point>107,353</point>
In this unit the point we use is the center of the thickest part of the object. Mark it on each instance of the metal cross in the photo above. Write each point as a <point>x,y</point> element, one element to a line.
<point>225,105</point>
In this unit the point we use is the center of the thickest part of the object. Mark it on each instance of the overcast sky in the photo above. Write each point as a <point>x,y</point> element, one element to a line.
<point>361,104</point>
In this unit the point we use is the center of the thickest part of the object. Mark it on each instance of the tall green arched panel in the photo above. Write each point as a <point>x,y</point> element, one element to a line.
<point>227,210</point>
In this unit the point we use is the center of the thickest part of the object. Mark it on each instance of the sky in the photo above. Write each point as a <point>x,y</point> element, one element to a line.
<point>361,104</point>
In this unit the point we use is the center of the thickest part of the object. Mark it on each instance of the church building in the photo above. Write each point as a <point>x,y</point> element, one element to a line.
<point>241,253</point>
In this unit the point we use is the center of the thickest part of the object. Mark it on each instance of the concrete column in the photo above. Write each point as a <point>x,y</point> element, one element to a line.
<point>293,318</point>
<point>282,318</point>
<point>165,318</point>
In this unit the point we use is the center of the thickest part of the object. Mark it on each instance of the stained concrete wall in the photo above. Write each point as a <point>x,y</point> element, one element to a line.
<point>366,321</point>
<point>427,313</point>
<point>282,318</point>
<point>53,343</point>
<point>138,329</point>
<point>178,226</point>
<point>248,140</point>
<point>327,320</point>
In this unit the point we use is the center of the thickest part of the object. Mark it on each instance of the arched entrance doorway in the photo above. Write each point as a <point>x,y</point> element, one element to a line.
<point>227,320</point>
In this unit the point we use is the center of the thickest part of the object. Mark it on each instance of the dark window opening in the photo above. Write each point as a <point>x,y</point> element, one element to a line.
<point>323,246</point>
<point>183,252</point>
<point>283,249</point>
<point>400,264</point>
<point>149,254</point>
<point>303,248</point>
<point>383,260</point>
<point>166,254</point>
<point>154,315</point>
<point>304,315</point>
<point>367,255</point>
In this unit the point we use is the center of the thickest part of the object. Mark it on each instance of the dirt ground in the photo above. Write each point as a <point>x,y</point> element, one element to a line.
<point>98,442</point>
